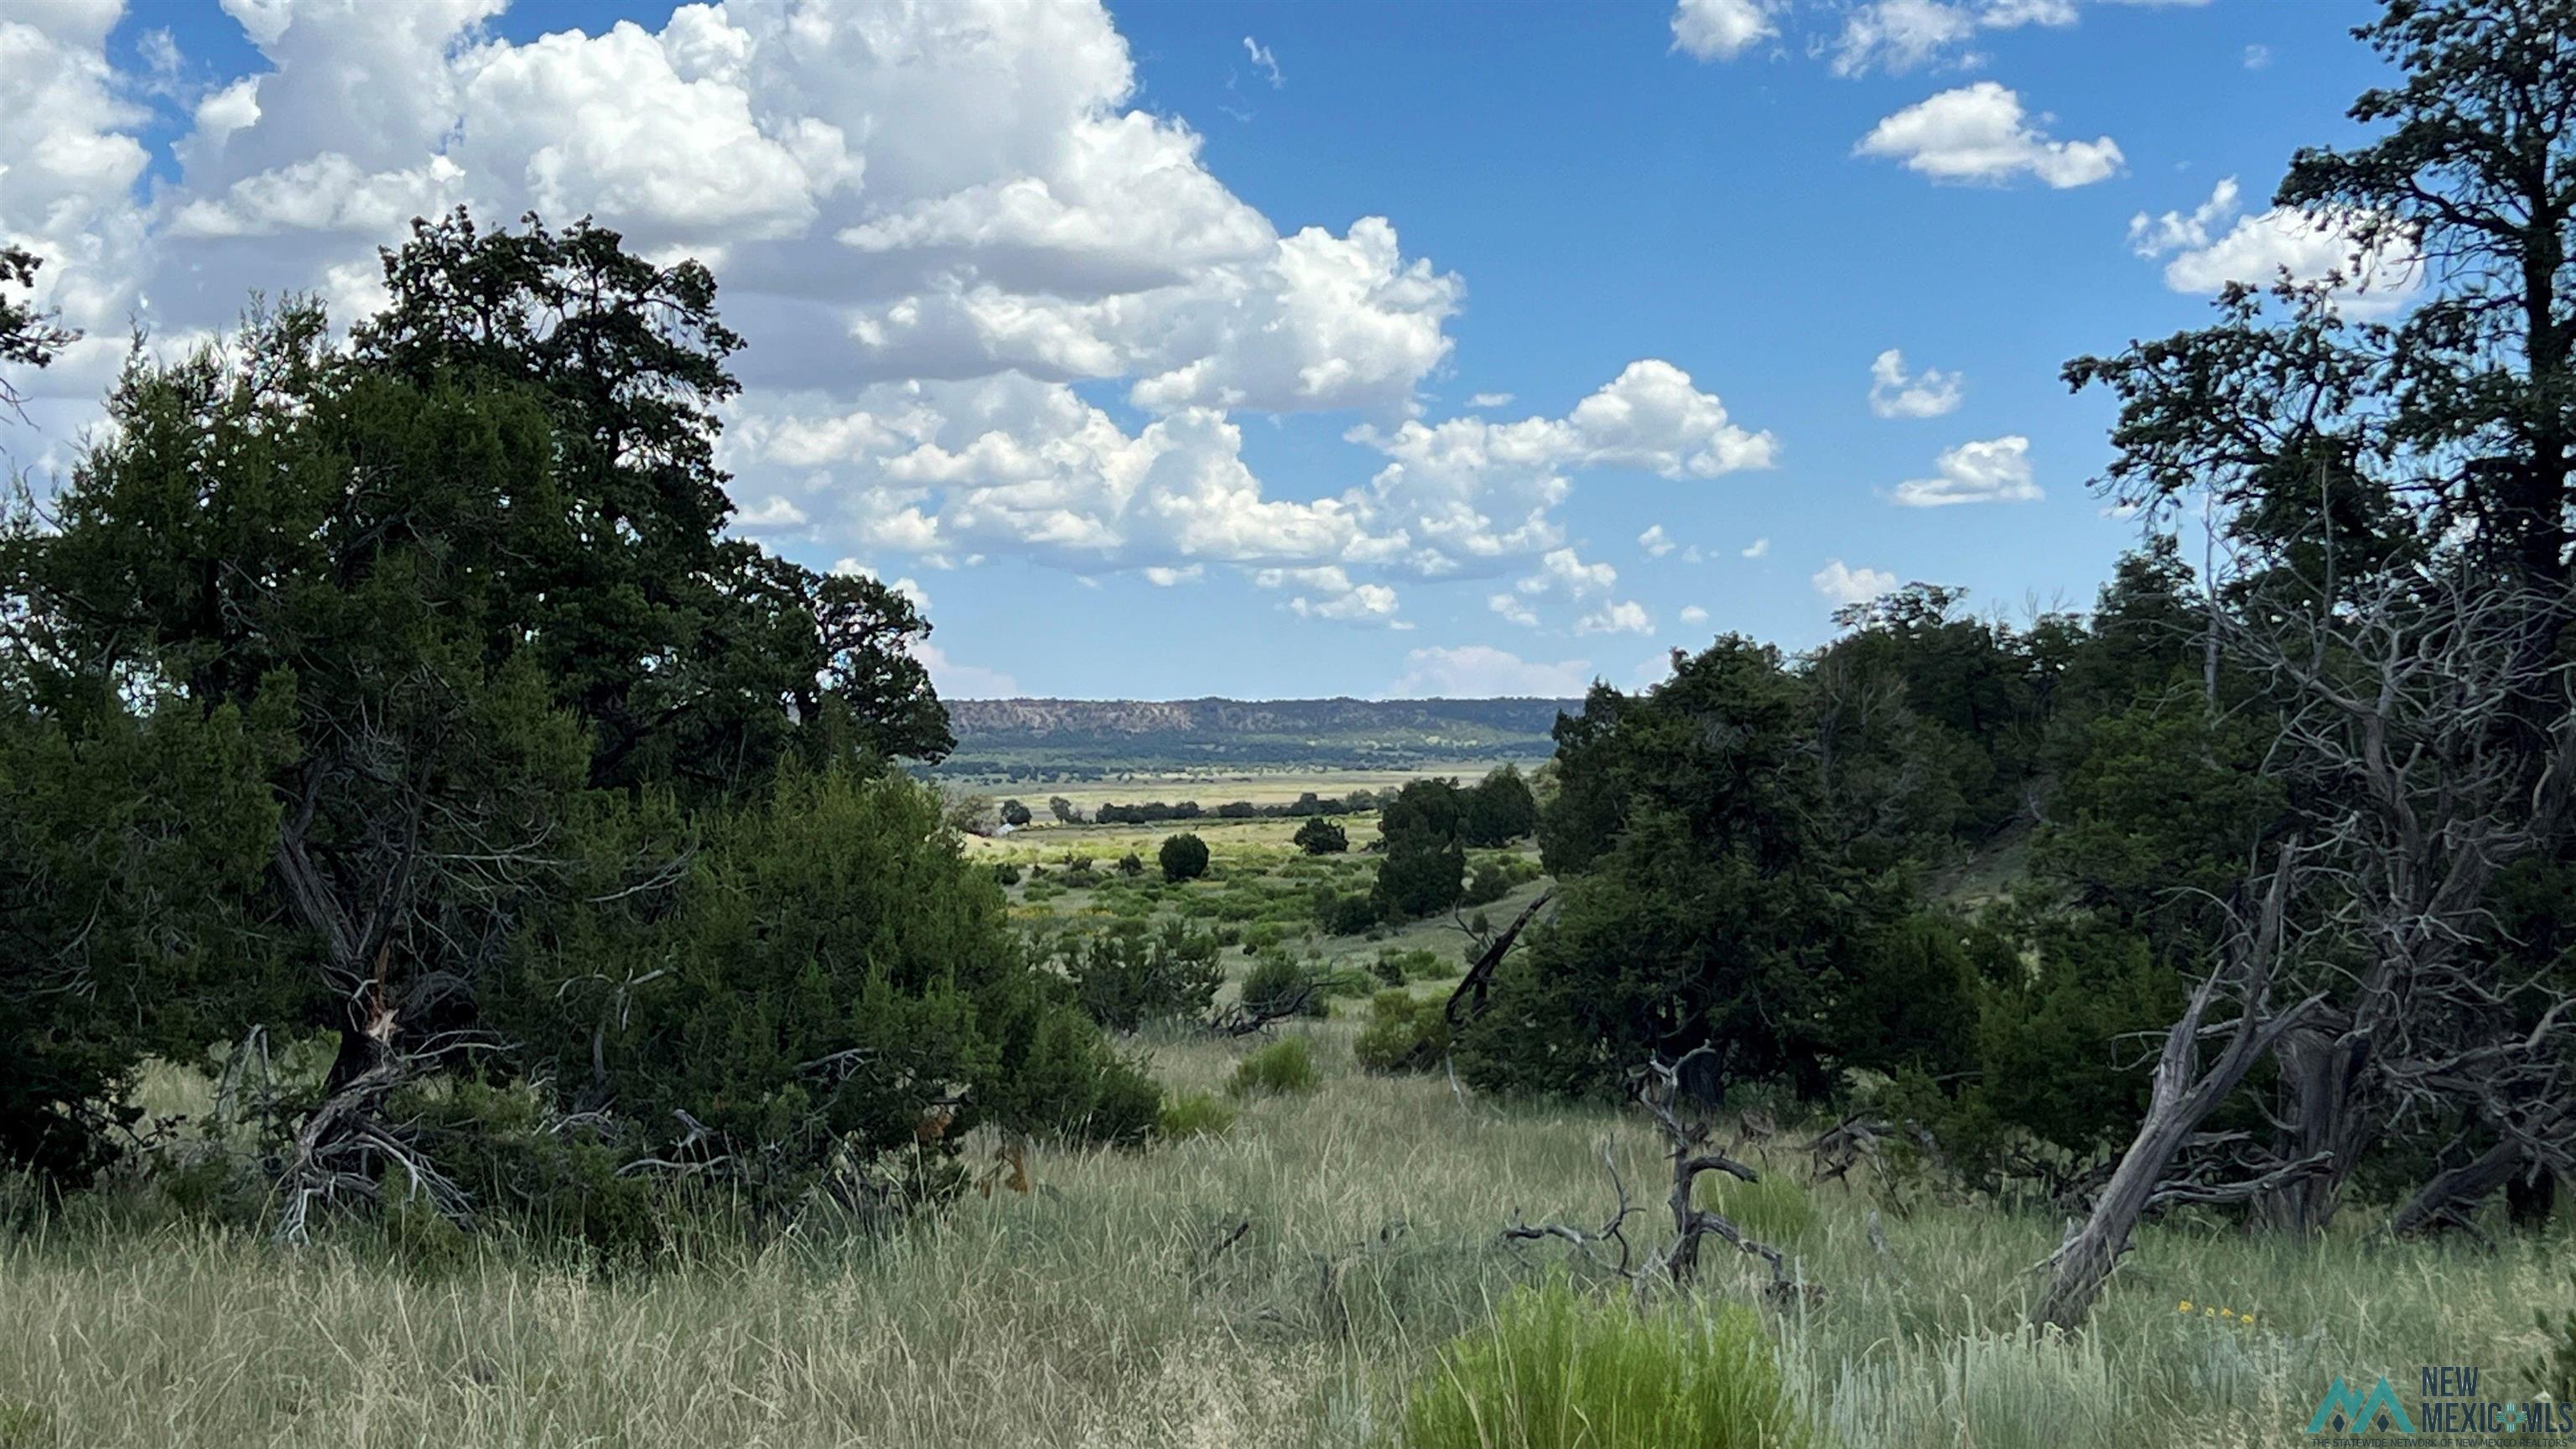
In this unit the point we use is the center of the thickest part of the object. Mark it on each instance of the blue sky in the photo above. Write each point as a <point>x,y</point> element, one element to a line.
<point>1265,350</point>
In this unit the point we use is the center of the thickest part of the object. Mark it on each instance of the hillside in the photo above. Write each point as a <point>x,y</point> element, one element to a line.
<point>1079,737</point>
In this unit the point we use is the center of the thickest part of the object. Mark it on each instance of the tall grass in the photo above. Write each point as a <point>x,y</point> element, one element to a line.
<point>1283,1284</point>
<point>1559,1371</point>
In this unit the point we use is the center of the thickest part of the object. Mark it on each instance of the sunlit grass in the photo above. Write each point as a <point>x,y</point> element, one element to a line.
<point>1117,1304</point>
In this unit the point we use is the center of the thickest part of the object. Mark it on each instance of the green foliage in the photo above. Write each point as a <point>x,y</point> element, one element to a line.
<point>1489,883</point>
<point>1195,1114</point>
<point>1320,836</point>
<point>1911,997</point>
<point>1499,810</point>
<point>1719,913</point>
<point>2056,1064</point>
<point>497,1142</point>
<point>456,575</point>
<point>1127,975</point>
<point>1284,1067</point>
<point>1131,865</point>
<point>1346,914</point>
<point>1935,721</point>
<point>131,857</point>
<point>1006,873</point>
<point>1558,1370</point>
<point>830,968</point>
<point>1424,869</point>
<point>1405,1033</point>
<point>1183,857</point>
<point>1277,980</point>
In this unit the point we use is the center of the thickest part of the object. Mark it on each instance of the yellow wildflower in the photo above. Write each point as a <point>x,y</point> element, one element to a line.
<point>2185,1308</point>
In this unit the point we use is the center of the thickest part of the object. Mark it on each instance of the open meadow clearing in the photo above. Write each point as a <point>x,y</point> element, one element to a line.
<point>1282,1283</point>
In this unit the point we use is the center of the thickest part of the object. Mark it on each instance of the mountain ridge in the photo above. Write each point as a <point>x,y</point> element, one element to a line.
<point>1214,729</point>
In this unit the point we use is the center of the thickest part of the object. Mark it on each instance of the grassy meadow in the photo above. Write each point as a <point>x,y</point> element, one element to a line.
<point>1117,1304</point>
<point>1286,1280</point>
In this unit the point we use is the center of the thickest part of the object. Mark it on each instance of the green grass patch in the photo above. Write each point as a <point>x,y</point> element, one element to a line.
<point>1559,1370</point>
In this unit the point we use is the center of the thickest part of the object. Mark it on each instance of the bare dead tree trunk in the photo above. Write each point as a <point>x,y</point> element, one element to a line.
<point>2182,1096</point>
<point>2322,1066</point>
<point>2534,1148</point>
<point>1659,1091</point>
<point>1657,1088</point>
<point>1467,999</point>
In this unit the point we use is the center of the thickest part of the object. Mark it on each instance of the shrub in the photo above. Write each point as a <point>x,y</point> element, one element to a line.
<point>1775,1209</point>
<point>1404,1034</point>
<point>836,966</point>
<point>1320,836</point>
<point>1126,976</point>
<point>1131,865</point>
<point>1348,981</point>
<point>1184,857</point>
<point>1196,1114</point>
<point>1388,967</point>
<point>1346,915</point>
<point>1274,981</point>
<point>1490,883</point>
<point>1286,1065</point>
<point>1558,1370</point>
<point>1006,874</point>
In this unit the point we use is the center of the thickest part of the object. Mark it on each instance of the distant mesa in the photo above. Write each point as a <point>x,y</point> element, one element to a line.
<point>1001,736</point>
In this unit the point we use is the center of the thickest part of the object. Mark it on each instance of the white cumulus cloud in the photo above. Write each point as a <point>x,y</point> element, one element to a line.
<point>1996,470</point>
<point>2214,244</point>
<point>1622,617</point>
<point>1843,584</point>
<point>1475,671</point>
<point>1720,29</point>
<point>1980,133</point>
<point>1895,393</point>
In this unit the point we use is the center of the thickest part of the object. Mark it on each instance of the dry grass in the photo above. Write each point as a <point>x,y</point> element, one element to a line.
<point>1094,1313</point>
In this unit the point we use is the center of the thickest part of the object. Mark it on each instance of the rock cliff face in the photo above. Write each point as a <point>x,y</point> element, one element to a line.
<point>1131,733</point>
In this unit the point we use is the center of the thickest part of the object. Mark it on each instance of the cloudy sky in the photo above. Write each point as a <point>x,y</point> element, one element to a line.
<point>1338,347</point>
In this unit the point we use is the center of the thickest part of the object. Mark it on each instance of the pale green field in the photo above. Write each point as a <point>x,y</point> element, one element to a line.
<point>1093,1312</point>
<point>1226,839</point>
<point>1212,788</point>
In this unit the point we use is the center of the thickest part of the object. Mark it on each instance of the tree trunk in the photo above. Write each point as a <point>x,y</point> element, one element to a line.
<point>2180,1098</point>
<point>2085,1261</point>
<point>2321,1077</point>
<point>2529,1198</point>
<point>2453,1195</point>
